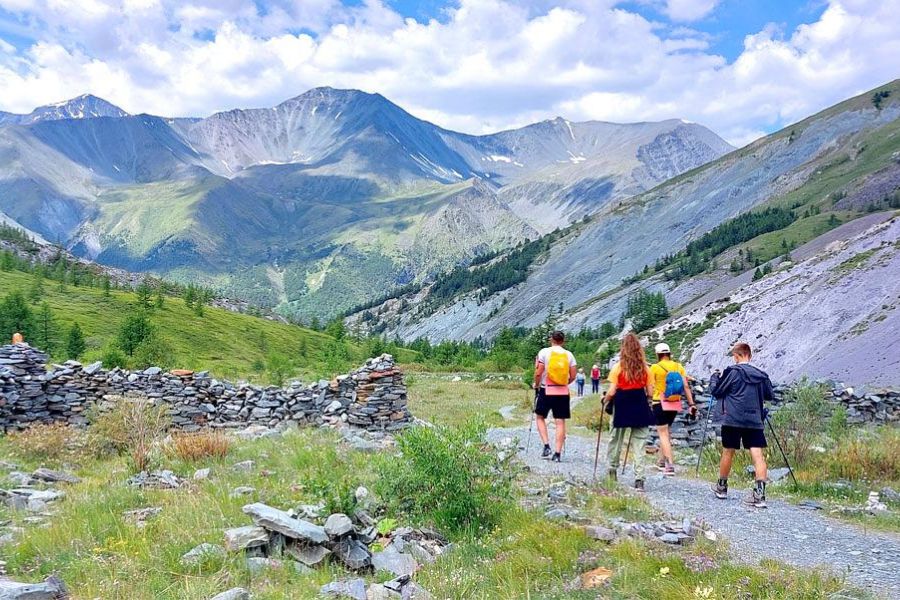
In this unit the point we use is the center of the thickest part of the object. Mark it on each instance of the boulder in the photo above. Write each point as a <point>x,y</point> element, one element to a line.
<point>597,532</point>
<point>354,589</point>
<point>280,521</point>
<point>338,525</point>
<point>378,591</point>
<point>395,563</point>
<point>55,476</point>
<point>241,538</point>
<point>200,553</point>
<point>237,593</point>
<point>353,554</point>
<point>51,588</point>
<point>311,556</point>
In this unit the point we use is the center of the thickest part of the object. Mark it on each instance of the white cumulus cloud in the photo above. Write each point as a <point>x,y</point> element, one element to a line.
<point>485,65</point>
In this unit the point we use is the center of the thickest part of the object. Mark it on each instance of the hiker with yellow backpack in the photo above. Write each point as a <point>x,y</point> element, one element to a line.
<point>671,386</point>
<point>554,370</point>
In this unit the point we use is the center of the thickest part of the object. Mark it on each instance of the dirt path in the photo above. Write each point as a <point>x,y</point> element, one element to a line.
<point>783,531</point>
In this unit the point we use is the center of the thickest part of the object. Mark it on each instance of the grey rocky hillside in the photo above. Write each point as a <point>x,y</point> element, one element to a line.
<point>372,397</point>
<point>291,206</point>
<point>834,315</point>
<point>842,161</point>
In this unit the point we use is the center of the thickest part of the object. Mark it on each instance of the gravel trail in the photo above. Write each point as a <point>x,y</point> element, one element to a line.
<point>784,532</point>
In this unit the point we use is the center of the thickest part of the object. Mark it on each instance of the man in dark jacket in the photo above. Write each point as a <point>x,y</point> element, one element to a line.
<point>742,389</point>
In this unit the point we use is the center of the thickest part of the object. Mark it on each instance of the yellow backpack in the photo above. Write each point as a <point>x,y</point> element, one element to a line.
<point>558,367</point>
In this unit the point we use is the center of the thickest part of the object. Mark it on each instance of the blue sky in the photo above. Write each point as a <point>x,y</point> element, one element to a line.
<point>741,67</point>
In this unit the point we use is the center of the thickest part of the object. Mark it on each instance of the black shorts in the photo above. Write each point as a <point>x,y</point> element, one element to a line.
<point>734,437</point>
<point>559,405</point>
<point>664,417</point>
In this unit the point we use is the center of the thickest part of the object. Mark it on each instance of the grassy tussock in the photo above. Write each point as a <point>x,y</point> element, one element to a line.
<point>193,447</point>
<point>47,442</point>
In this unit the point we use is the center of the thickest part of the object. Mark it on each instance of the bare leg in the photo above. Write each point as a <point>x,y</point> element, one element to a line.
<point>542,429</point>
<point>560,435</point>
<point>725,463</point>
<point>665,443</point>
<point>759,463</point>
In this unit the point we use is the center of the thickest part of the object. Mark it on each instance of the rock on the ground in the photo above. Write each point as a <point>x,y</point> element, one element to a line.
<point>378,591</point>
<point>353,554</point>
<point>395,563</point>
<point>200,475</point>
<point>338,525</point>
<point>237,593</point>
<point>776,475</point>
<point>414,591</point>
<point>201,552</point>
<point>598,532</point>
<point>280,521</point>
<point>310,556</point>
<point>249,536</point>
<point>257,564</point>
<point>354,589</point>
<point>55,476</point>
<point>51,588</point>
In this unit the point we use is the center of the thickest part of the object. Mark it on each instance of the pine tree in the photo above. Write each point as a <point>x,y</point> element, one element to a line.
<point>160,299</point>
<point>757,274</point>
<point>75,344</point>
<point>134,330</point>
<point>36,289</point>
<point>190,295</point>
<point>16,317</point>
<point>45,336</point>
<point>144,295</point>
<point>106,286</point>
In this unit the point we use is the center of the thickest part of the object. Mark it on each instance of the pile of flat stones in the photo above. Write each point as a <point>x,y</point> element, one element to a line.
<point>668,532</point>
<point>280,539</point>
<point>878,407</point>
<point>373,397</point>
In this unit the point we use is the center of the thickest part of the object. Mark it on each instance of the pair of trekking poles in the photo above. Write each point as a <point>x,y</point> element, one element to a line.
<point>599,435</point>
<point>768,421</point>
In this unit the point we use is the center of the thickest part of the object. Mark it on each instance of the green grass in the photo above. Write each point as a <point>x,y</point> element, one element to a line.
<point>100,555</point>
<point>438,399</point>
<point>221,341</point>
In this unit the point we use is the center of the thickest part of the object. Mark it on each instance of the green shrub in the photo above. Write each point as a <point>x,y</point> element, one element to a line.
<point>799,423</point>
<point>113,357</point>
<point>446,476</point>
<point>869,455</point>
<point>132,426</point>
<point>154,351</point>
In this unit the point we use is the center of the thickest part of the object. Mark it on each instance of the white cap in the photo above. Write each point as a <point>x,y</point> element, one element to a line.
<point>662,349</point>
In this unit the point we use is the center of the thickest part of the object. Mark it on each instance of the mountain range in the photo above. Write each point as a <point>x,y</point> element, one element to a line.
<point>319,203</point>
<point>815,205</point>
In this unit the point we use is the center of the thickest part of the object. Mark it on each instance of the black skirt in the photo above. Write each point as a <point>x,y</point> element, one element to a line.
<point>631,408</point>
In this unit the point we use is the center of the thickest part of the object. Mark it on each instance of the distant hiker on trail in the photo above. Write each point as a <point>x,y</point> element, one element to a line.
<point>630,390</point>
<point>554,370</point>
<point>579,379</point>
<point>595,379</point>
<point>670,381</point>
<point>742,388</point>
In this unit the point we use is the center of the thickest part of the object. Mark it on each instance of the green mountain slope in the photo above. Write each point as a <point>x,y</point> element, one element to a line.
<point>228,344</point>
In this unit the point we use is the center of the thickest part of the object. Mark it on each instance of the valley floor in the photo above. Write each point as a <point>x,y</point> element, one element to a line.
<point>783,532</point>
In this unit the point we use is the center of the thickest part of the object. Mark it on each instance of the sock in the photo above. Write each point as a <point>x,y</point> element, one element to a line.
<point>761,487</point>
<point>723,481</point>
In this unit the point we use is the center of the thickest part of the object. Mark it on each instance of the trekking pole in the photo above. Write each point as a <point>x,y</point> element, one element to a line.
<point>627,448</point>
<point>783,455</point>
<point>705,430</point>
<point>531,424</point>
<point>599,433</point>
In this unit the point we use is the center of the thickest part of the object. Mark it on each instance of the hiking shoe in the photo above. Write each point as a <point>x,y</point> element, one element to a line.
<point>669,470</point>
<point>612,474</point>
<point>721,491</point>
<point>639,485</point>
<point>661,464</point>
<point>545,453</point>
<point>755,499</point>
<point>556,457</point>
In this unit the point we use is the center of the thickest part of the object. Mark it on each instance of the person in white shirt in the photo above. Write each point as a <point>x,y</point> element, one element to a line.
<point>551,383</point>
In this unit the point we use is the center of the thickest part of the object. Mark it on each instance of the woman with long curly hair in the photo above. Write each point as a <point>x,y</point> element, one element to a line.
<point>630,391</point>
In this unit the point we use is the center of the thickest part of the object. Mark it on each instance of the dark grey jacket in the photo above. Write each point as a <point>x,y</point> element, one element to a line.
<point>742,389</point>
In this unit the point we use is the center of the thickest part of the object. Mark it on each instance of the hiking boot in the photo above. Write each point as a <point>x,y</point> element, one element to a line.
<point>545,453</point>
<point>669,470</point>
<point>639,485</point>
<point>612,474</point>
<point>661,464</point>
<point>721,490</point>
<point>756,499</point>
<point>556,457</point>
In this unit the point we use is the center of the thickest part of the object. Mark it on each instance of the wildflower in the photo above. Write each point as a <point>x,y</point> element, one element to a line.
<point>663,571</point>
